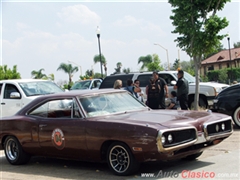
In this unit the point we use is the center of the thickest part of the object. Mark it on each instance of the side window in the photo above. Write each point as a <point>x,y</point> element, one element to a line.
<point>1,88</point>
<point>10,88</point>
<point>108,82</point>
<point>61,108</point>
<point>144,79</point>
<point>168,78</point>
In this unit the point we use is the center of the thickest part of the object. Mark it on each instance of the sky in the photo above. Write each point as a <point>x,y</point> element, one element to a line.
<point>44,34</point>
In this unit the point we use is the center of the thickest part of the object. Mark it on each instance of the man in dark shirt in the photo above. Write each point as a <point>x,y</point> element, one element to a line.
<point>182,90</point>
<point>162,86</point>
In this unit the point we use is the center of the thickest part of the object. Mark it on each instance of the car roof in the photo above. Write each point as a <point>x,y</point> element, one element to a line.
<point>143,72</point>
<point>23,80</point>
<point>82,93</point>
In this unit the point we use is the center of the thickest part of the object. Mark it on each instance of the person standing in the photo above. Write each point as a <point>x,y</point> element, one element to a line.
<point>182,90</point>
<point>162,85</point>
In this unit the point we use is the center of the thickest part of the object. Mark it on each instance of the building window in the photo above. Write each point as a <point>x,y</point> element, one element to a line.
<point>210,68</point>
<point>227,65</point>
<point>220,66</point>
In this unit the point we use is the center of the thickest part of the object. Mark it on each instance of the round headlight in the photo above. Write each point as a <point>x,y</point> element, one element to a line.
<point>163,139</point>
<point>170,138</point>
<point>223,126</point>
<point>217,127</point>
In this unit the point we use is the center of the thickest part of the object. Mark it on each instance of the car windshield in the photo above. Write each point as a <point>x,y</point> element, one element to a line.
<point>188,77</point>
<point>81,85</point>
<point>105,104</point>
<point>39,88</point>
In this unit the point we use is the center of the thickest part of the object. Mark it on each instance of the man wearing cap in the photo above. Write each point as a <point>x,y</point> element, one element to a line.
<point>182,90</point>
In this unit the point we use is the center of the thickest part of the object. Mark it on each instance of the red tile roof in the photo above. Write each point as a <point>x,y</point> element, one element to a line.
<point>223,56</point>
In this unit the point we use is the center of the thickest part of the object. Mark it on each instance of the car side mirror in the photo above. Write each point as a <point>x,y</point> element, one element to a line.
<point>173,83</point>
<point>15,95</point>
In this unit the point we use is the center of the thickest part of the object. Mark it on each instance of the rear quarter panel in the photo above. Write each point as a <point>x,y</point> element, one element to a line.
<point>24,129</point>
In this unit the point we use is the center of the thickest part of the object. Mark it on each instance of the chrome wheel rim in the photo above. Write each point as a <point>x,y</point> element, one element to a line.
<point>12,150</point>
<point>119,159</point>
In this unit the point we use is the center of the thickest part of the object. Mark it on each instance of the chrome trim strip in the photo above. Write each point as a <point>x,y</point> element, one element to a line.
<point>174,148</point>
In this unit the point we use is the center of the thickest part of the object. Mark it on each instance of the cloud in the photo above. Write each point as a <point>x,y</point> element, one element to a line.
<point>79,14</point>
<point>21,26</point>
<point>127,21</point>
<point>146,26</point>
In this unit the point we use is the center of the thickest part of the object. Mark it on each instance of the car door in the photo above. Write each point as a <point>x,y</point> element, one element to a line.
<point>10,104</point>
<point>61,128</point>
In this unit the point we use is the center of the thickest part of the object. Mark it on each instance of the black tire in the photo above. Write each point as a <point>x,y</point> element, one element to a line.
<point>202,103</point>
<point>121,160</point>
<point>14,152</point>
<point>193,156</point>
<point>236,117</point>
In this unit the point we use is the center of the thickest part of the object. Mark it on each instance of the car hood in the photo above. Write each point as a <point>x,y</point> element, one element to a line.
<point>166,118</point>
<point>214,84</point>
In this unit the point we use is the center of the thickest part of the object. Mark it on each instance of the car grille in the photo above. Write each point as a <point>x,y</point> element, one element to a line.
<point>179,137</point>
<point>219,127</point>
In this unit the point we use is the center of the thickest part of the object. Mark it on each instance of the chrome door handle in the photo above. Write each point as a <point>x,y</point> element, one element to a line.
<point>42,125</point>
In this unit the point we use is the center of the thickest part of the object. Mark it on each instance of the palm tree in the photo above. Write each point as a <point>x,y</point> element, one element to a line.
<point>38,74</point>
<point>126,70</point>
<point>96,59</point>
<point>145,60</point>
<point>69,69</point>
<point>119,66</point>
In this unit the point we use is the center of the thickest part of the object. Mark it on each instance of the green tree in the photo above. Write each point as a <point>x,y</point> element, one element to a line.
<point>119,66</point>
<point>155,65</point>
<point>7,73</point>
<point>38,74</point>
<point>49,77</point>
<point>126,70</point>
<point>217,49</point>
<point>68,69</point>
<point>89,73</point>
<point>145,60</point>
<point>223,75</point>
<point>176,64</point>
<point>96,59</point>
<point>151,62</point>
<point>236,45</point>
<point>197,26</point>
<point>98,75</point>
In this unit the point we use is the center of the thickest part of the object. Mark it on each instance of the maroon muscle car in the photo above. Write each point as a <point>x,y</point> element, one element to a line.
<point>108,125</point>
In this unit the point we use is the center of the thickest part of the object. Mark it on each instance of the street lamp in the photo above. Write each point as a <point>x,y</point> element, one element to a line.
<point>98,36</point>
<point>230,58</point>
<point>167,54</point>
<point>77,65</point>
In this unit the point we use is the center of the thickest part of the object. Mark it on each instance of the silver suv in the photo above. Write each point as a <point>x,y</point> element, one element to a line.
<point>208,90</point>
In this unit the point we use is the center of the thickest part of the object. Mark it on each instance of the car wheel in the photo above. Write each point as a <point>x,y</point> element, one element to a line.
<point>14,152</point>
<point>193,156</point>
<point>120,159</point>
<point>236,117</point>
<point>202,104</point>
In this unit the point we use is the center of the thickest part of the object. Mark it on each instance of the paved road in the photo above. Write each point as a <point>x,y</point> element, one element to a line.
<point>222,161</point>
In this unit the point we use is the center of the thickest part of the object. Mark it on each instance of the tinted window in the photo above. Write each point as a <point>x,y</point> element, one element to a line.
<point>108,82</point>
<point>10,88</point>
<point>144,79</point>
<point>167,77</point>
<point>0,88</point>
